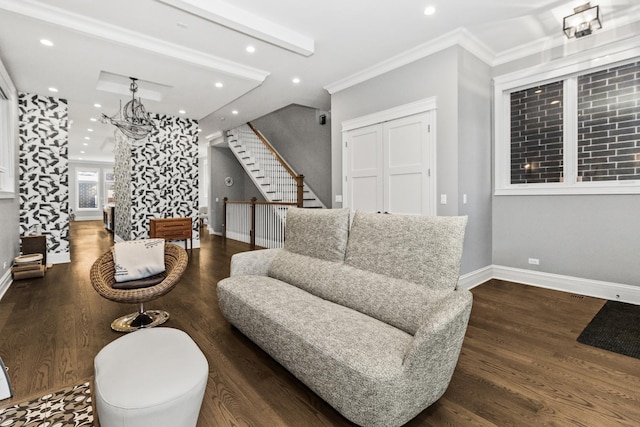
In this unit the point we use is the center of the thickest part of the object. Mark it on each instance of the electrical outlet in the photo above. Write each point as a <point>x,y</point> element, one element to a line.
<point>443,199</point>
<point>534,261</point>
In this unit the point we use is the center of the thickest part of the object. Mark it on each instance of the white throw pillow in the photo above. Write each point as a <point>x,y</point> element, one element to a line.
<point>137,259</point>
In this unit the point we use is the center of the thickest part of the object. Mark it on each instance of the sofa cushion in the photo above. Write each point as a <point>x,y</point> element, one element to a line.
<point>423,250</point>
<point>394,301</point>
<point>320,233</point>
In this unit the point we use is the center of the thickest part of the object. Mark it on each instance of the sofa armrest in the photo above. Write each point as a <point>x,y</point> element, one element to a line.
<point>253,263</point>
<point>436,345</point>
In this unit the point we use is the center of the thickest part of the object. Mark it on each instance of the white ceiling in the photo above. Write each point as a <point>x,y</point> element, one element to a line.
<point>189,45</point>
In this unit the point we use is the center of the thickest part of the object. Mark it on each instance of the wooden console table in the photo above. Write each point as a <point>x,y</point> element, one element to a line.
<point>172,229</point>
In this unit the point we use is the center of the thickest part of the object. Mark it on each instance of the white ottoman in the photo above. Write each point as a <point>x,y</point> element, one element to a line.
<point>151,377</point>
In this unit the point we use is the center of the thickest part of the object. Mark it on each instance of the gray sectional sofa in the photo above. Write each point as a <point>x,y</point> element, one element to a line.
<point>367,316</point>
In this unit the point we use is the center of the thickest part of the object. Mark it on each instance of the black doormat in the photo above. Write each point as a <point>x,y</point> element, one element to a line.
<point>615,328</point>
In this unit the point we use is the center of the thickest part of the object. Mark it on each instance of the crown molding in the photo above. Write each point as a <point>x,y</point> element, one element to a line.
<point>459,37</point>
<point>126,37</point>
<point>247,23</point>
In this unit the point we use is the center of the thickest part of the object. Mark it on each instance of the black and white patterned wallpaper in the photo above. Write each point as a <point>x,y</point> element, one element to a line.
<point>122,191</point>
<point>44,169</point>
<point>163,177</point>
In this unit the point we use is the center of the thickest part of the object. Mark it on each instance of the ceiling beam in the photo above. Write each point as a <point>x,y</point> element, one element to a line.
<point>247,23</point>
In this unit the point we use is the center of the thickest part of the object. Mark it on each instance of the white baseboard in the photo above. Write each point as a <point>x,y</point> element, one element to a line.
<point>577,285</point>
<point>475,278</point>
<point>5,282</point>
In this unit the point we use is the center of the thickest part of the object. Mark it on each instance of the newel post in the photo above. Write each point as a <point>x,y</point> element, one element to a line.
<point>224,218</point>
<point>300,190</point>
<point>252,232</point>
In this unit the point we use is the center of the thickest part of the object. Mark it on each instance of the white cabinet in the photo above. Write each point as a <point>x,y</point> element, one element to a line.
<point>388,166</point>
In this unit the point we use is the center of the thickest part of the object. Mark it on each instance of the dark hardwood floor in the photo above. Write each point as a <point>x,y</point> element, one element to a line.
<point>520,364</point>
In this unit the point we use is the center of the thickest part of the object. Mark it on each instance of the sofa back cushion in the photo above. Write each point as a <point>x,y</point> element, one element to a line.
<point>393,301</point>
<point>420,249</point>
<point>318,233</point>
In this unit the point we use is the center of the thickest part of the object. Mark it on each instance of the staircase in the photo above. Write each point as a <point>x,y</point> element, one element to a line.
<point>266,169</point>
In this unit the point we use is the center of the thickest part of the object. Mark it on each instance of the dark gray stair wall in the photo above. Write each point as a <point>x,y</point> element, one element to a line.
<point>296,133</point>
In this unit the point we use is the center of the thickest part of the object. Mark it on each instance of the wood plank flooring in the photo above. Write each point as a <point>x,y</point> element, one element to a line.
<point>520,364</point>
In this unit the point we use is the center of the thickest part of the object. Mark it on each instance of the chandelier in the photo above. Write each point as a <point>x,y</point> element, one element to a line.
<point>133,120</point>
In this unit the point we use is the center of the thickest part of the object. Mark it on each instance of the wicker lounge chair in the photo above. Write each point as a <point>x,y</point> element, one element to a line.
<point>139,291</point>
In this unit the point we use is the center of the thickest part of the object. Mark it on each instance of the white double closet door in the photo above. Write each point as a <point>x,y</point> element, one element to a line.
<point>388,166</point>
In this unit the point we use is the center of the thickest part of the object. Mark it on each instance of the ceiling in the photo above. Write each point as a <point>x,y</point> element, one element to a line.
<point>185,47</point>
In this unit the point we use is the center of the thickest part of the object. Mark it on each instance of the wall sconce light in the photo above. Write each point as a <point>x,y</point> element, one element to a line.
<point>584,21</point>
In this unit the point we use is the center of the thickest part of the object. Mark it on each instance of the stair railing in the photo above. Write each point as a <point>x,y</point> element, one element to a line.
<point>280,176</point>
<point>259,223</point>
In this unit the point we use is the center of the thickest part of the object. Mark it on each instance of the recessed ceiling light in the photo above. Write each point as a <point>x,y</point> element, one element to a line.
<point>218,84</point>
<point>81,152</point>
<point>251,49</point>
<point>199,130</point>
<point>429,10</point>
<point>234,112</point>
<point>182,112</point>
<point>79,158</point>
<point>296,80</point>
<point>93,119</point>
<point>53,89</point>
<point>85,144</point>
<point>46,42</point>
<point>90,130</point>
<point>97,105</point>
<point>87,138</point>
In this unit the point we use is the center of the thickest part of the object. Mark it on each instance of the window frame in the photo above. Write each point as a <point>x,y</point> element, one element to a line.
<point>567,70</point>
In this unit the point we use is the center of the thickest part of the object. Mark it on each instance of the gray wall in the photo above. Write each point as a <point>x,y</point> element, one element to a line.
<point>589,236</point>
<point>9,228</point>
<point>295,133</point>
<point>222,163</point>
<point>474,158</point>
<point>73,189</point>
<point>462,87</point>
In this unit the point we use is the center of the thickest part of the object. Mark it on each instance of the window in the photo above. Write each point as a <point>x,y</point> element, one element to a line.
<point>87,181</point>
<point>8,126</point>
<point>574,129</point>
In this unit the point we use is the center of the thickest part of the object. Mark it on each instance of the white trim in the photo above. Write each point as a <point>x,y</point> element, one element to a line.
<point>558,282</point>
<point>245,22</point>
<point>475,278</point>
<point>577,285</point>
<point>458,37</point>
<point>117,239</point>
<point>406,110</point>
<point>112,33</point>
<point>58,258</point>
<point>5,282</point>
